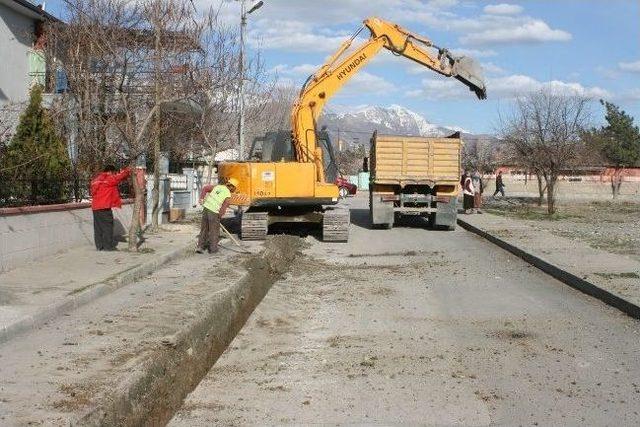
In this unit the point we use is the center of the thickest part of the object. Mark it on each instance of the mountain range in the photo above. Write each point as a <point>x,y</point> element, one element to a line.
<point>354,126</point>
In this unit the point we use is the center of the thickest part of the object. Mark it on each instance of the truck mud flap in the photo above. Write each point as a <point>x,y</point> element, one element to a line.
<point>446,215</point>
<point>380,213</point>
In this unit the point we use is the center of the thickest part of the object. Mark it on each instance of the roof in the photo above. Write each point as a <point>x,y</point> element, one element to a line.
<point>29,9</point>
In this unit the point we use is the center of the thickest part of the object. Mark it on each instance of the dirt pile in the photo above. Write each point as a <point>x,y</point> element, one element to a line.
<point>275,260</point>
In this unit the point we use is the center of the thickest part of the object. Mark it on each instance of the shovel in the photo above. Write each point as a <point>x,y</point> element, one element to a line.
<point>233,239</point>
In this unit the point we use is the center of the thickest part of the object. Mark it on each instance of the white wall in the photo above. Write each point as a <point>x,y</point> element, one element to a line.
<point>30,236</point>
<point>16,38</point>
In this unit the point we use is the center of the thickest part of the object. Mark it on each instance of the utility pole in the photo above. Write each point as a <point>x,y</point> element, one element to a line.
<point>243,25</point>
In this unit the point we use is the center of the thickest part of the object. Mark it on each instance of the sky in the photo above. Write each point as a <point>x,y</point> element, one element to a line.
<point>585,47</point>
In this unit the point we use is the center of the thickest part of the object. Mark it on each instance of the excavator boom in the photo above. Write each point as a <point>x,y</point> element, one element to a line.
<point>331,76</point>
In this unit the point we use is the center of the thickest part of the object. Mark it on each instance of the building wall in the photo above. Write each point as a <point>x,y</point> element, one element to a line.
<point>31,235</point>
<point>16,39</point>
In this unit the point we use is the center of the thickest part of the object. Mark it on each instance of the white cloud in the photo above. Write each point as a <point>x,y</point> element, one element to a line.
<point>632,95</point>
<point>368,83</point>
<point>632,67</point>
<point>362,82</point>
<point>504,87</point>
<point>491,68</point>
<point>321,26</point>
<point>443,4</point>
<point>292,36</point>
<point>474,53</point>
<point>301,70</point>
<point>534,31</point>
<point>503,9</point>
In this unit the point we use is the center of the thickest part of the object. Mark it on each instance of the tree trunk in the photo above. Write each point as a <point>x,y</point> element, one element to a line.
<point>616,182</point>
<point>541,189</point>
<point>156,177</point>
<point>551,195</point>
<point>138,200</point>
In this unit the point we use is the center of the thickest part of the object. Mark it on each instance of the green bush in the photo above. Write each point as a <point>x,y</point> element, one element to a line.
<point>35,163</point>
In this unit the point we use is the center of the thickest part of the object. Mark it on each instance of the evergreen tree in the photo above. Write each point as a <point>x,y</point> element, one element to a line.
<point>618,143</point>
<point>35,162</point>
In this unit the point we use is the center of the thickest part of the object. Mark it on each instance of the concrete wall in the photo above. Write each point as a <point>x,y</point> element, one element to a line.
<point>16,38</point>
<point>32,235</point>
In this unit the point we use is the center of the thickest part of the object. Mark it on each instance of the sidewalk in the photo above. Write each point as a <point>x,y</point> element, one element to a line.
<point>41,290</point>
<point>613,277</point>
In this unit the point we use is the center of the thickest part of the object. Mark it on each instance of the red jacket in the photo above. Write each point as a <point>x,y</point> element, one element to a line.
<point>104,189</point>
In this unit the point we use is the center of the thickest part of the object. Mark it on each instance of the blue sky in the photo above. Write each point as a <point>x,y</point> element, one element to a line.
<point>586,47</point>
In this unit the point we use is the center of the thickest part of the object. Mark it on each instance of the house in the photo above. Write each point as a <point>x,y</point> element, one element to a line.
<point>22,40</point>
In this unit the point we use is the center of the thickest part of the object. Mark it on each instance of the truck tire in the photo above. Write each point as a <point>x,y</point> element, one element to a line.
<point>432,220</point>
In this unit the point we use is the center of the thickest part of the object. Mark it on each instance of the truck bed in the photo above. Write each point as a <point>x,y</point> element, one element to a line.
<point>414,160</point>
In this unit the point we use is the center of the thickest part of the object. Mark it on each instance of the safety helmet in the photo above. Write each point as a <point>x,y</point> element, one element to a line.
<point>233,181</point>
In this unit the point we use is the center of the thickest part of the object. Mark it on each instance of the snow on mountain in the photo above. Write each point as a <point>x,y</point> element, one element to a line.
<point>355,125</point>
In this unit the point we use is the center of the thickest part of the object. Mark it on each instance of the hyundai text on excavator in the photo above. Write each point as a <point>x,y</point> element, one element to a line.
<point>288,179</point>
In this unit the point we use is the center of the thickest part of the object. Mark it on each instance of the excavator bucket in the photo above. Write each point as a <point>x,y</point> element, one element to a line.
<point>469,72</point>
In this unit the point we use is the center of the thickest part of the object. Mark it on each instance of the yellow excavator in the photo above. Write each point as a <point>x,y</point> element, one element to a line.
<point>287,179</point>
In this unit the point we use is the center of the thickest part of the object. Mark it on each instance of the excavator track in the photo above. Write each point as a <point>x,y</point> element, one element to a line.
<point>335,225</point>
<point>254,225</point>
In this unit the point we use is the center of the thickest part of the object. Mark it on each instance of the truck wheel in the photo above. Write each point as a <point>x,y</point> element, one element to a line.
<point>343,193</point>
<point>432,220</point>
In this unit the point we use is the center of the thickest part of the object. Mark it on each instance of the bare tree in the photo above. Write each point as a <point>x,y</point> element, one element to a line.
<point>126,66</point>
<point>214,102</point>
<point>481,155</point>
<point>544,134</point>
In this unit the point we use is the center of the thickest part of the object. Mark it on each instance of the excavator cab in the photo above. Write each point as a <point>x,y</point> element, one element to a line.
<point>278,147</point>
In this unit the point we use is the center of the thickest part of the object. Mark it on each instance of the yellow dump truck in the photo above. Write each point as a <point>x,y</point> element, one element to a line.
<point>413,175</point>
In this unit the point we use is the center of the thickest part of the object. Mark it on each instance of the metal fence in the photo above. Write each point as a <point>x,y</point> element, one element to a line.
<point>16,193</point>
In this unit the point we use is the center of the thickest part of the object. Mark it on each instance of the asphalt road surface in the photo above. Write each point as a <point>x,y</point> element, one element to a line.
<point>415,326</point>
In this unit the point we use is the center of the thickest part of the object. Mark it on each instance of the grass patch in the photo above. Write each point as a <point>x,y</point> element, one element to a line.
<point>532,213</point>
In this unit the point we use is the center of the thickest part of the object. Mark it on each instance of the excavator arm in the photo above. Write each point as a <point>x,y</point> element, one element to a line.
<point>330,78</point>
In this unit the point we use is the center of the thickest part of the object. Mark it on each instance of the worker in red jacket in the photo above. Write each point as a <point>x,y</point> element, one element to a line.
<point>104,196</point>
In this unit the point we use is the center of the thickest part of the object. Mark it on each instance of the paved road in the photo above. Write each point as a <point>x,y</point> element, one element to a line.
<point>412,326</point>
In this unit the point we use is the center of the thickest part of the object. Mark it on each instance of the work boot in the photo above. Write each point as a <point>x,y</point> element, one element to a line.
<point>199,250</point>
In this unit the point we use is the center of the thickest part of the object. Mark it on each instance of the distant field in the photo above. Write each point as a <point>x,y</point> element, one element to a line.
<point>585,190</point>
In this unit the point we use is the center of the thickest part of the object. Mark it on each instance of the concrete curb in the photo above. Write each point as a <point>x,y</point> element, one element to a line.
<point>90,294</point>
<point>564,276</point>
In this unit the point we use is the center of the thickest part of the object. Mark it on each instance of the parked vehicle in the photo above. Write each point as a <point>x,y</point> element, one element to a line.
<point>345,187</point>
<point>413,175</point>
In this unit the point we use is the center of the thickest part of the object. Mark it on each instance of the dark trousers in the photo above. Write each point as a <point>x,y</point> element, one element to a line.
<point>499,189</point>
<point>103,230</point>
<point>209,231</point>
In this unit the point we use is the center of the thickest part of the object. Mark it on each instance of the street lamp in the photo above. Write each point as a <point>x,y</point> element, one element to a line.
<point>243,25</point>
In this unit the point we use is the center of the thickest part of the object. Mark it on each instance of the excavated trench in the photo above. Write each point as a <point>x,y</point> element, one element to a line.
<point>154,392</point>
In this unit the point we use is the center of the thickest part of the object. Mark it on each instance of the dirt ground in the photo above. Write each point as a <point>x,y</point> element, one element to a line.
<point>414,326</point>
<point>76,364</point>
<point>613,226</point>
